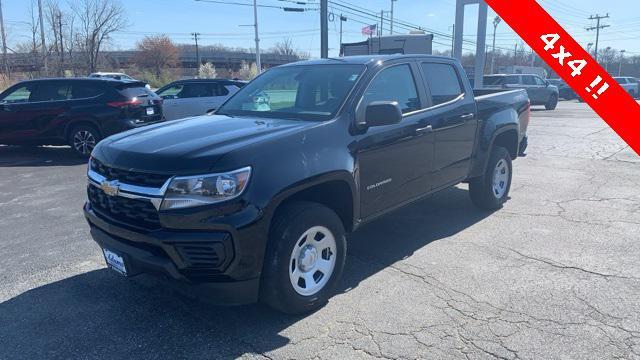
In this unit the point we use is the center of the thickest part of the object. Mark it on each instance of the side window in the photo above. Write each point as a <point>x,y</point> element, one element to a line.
<point>539,81</point>
<point>528,80</point>
<point>171,92</point>
<point>512,80</point>
<point>195,90</point>
<point>394,84</point>
<point>219,90</point>
<point>443,82</point>
<point>51,91</point>
<point>85,91</point>
<point>21,94</point>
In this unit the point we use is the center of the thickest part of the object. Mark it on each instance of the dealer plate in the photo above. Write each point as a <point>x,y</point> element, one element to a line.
<point>115,261</point>
<point>150,111</point>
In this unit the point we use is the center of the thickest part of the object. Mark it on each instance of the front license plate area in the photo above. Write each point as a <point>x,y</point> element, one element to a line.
<point>115,262</point>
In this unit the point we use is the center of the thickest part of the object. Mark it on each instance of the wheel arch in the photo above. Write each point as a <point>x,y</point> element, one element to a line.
<point>81,122</point>
<point>335,190</point>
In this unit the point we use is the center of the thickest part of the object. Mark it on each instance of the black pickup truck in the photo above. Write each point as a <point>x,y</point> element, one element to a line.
<point>253,202</point>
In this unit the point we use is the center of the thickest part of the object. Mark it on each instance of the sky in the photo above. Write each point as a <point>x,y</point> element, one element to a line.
<point>220,22</point>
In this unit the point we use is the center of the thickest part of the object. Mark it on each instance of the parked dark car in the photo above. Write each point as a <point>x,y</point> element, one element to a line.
<point>74,111</point>
<point>254,201</point>
<point>564,90</point>
<point>540,91</point>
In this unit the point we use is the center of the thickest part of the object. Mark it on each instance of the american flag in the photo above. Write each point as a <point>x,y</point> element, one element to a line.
<point>369,30</point>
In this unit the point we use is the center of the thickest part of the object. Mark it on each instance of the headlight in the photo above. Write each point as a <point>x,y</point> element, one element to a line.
<point>190,191</point>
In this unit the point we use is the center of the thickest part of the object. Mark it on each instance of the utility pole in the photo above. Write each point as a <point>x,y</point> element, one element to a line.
<point>5,65</point>
<point>606,59</point>
<point>453,39</point>
<point>44,46</point>
<point>391,26</point>
<point>257,34</point>
<point>597,29</point>
<point>342,19</point>
<point>324,29</point>
<point>589,46</point>
<point>496,22</point>
<point>195,37</point>
<point>621,59</point>
<point>381,22</point>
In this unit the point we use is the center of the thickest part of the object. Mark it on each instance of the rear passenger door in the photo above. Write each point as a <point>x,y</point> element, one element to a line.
<point>454,115</point>
<point>219,94</point>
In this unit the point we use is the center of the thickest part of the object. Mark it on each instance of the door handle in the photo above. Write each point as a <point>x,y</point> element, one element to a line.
<point>467,116</point>
<point>425,130</point>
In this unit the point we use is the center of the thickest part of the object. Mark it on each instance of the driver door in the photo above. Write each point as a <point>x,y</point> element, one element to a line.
<point>394,160</point>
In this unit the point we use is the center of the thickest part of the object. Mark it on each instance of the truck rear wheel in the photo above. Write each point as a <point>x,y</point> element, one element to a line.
<point>305,258</point>
<point>491,190</point>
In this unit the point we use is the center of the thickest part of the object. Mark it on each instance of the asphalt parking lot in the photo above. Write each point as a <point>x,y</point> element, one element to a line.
<point>554,274</point>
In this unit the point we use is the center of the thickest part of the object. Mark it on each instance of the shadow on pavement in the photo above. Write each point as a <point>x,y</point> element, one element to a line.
<point>99,314</point>
<point>33,156</point>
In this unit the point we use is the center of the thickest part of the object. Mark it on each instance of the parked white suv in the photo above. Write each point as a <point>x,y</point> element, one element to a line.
<point>630,84</point>
<point>193,97</point>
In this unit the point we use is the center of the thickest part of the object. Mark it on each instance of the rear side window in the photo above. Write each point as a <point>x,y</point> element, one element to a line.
<point>621,80</point>
<point>85,90</point>
<point>218,90</point>
<point>394,84</point>
<point>538,81</point>
<point>51,92</point>
<point>442,81</point>
<point>511,80</point>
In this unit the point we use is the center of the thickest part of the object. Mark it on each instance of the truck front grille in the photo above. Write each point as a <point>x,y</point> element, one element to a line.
<point>134,212</point>
<point>129,177</point>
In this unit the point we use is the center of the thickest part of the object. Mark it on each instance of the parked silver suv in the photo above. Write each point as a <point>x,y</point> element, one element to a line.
<point>540,91</point>
<point>630,84</point>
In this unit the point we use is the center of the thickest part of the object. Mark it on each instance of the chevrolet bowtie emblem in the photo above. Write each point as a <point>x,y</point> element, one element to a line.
<point>111,188</point>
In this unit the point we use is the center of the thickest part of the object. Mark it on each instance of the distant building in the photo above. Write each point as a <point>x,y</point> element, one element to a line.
<point>392,44</point>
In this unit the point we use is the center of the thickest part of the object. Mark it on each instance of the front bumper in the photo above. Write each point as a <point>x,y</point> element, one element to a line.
<point>200,262</point>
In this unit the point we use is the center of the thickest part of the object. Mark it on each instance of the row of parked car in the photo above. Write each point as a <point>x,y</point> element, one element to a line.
<point>81,111</point>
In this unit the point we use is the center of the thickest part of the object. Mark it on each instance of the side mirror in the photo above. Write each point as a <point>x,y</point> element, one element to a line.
<point>547,83</point>
<point>380,113</point>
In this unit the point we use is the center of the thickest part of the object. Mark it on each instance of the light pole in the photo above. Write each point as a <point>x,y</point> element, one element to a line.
<point>589,46</point>
<point>496,22</point>
<point>391,26</point>
<point>606,58</point>
<point>255,27</point>
<point>621,59</point>
<point>342,19</point>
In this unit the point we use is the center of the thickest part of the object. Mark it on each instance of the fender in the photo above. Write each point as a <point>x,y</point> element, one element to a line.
<point>296,188</point>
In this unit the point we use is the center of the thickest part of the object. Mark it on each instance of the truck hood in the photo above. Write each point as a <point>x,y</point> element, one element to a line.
<point>191,145</point>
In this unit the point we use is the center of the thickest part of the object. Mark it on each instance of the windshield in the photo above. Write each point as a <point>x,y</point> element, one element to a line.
<point>302,92</point>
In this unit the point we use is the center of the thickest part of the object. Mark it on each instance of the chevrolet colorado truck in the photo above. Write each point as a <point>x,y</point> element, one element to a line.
<point>253,202</point>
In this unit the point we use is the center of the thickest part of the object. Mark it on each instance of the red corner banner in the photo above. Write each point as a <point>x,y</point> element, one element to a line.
<point>580,71</point>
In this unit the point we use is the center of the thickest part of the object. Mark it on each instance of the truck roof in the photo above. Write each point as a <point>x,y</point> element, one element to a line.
<point>364,59</point>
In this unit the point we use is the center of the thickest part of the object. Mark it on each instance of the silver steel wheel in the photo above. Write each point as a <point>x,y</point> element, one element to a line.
<point>500,179</point>
<point>312,261</point>
<point>84,142</point>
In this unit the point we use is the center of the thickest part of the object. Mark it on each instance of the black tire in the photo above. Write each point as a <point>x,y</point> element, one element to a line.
<point>552,103</point>
<point>523,146</point>
<point>88,132</point>
<point>481,188</point>
<point>289,224</point>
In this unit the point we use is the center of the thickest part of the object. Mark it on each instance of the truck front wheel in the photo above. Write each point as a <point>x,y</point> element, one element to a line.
<point>305,258</point>
<point>491,190</point>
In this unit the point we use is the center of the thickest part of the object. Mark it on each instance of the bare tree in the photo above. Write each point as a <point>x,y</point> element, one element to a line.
<point>98,20</point>
<point>157,53</point>
<point>284,47</point>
